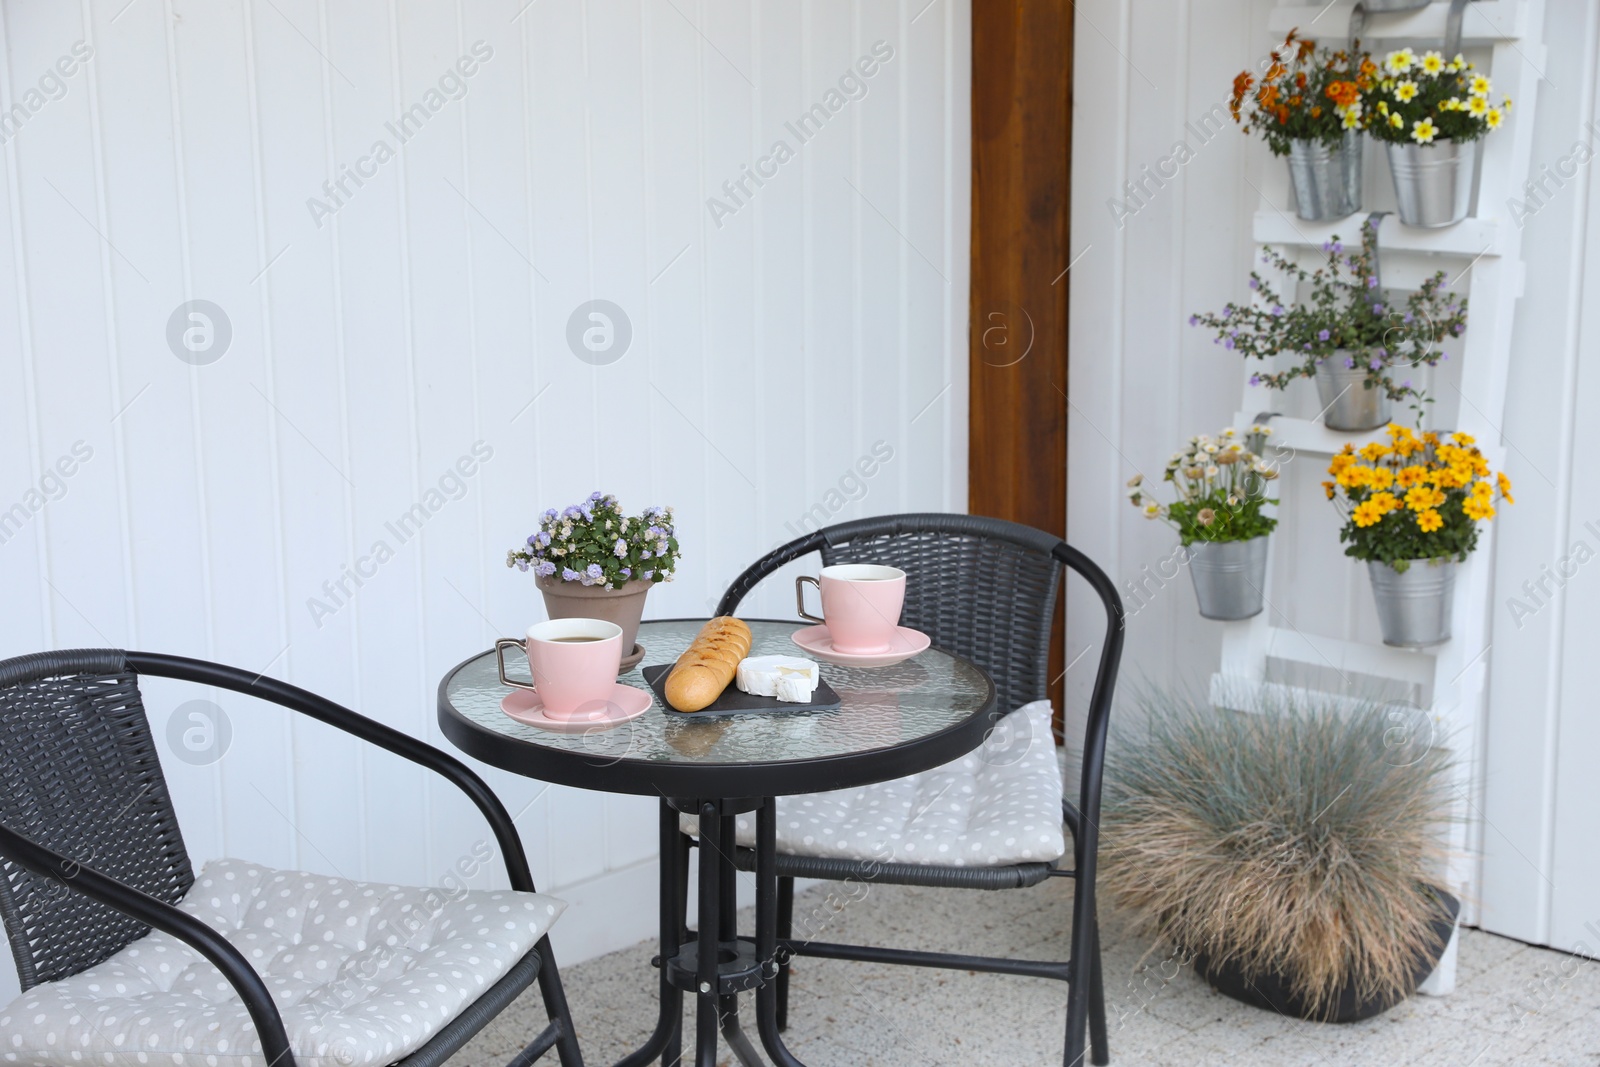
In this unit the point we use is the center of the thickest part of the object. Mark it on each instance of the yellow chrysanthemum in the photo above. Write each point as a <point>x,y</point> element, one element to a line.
<point>1354,476</point>
<point>1399,62</point>
<point>1432,62</point>
<point>1367,514</point>
<point>1386,502</point>
<point>1482,490</point>
<point>1327,487</point>
<point>1373,451</point>
<point>1423,131</point>
<point>1493,118</point>
<point>1405,91</point>
<point>1429,521</point>
<point>1505,486</point>
<point>1476,509</point>
<point>1382,478</point>
<point>1410,476</point>
<point>1477,107</point>
<point>1479,86</point>
<point>1419,498</point>
<point>1430,438</point>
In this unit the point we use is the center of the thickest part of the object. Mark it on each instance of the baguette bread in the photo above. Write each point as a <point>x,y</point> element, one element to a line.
<point>708,665</point>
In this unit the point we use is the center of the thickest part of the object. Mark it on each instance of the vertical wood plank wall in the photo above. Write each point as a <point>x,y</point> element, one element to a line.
<point>1178,240</point>
<point>1021,130</point>
<point>797,355</point>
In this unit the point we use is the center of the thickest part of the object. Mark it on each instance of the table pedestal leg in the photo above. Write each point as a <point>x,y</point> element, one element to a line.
<point>767,933</point>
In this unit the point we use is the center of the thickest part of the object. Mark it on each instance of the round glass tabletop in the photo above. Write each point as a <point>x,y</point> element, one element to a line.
<point>891,722</point>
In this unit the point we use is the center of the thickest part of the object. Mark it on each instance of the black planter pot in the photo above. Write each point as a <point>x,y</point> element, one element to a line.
<point>1274,991</point>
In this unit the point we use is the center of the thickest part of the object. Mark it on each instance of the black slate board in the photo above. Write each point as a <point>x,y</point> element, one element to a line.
<point>735,701</point>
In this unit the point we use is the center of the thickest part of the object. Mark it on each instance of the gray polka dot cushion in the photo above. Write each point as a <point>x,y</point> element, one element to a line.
<point>362,974</point>
<point>996,806</point>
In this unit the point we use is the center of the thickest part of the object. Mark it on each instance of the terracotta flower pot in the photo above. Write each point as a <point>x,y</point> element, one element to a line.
<point>623,606</point>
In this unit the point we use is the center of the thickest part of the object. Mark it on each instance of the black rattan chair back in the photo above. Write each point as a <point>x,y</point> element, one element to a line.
<point>979,587</point>
<point>79,774</point>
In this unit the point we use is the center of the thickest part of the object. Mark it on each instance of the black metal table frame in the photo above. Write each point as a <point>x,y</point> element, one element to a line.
<point>715,962</point>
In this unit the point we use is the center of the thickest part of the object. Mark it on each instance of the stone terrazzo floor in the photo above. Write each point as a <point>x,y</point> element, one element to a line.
<point>1514,1004</point>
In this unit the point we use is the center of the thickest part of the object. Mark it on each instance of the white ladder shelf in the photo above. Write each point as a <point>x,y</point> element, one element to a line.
<point>1503,37</point>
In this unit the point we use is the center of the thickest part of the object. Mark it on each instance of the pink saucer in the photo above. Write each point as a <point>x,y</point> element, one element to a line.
<point>624,703</point>
<point>818,642</point>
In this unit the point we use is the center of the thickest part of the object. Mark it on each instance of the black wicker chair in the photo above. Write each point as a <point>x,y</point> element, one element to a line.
<point>91,858</point>
<point>985,589</point>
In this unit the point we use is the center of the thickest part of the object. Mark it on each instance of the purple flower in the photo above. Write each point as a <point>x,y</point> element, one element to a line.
<point>584,510</point>
<point>1455,331</point>
<point>1406,384</point>
<point>647,575</point>
<point>1228,343</point>
<point>1227,312</point>
<point>1408,317</point>
<point>550,515</point>
<point>1255,283</point>
<point>1323,335</point>
<point>1444,355</point>
<point>627,572</point>
<point>595,495</point>
<point>593,571</point>
<point>619,549</point>
<point>1372,281</point>
<point>569,575</point>
<point>1255,379</point>
<point>522,565</point>
<point>1349,363</point>
<point>1377,309</point>
<point>1383,353</point>
<point>1277,310</point>
<point>1376,364</point>
<point>1308,346</point>
<point>1194,320</point>
<point>533,540</point>
<point>570,513</point>
<point>545,569</point>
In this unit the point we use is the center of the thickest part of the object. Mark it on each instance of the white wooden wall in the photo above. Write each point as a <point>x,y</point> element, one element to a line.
<point>426,316</point>
<point>1142,380</point>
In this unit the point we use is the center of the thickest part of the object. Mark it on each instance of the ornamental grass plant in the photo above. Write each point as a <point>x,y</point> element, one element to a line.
<point>1293,838</point>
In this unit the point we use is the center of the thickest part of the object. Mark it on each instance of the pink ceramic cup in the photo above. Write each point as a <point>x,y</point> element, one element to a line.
<point>574,664</point>
<point>861,605</point>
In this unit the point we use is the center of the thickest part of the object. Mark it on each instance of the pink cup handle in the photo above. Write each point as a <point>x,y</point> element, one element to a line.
<point>800,597</point>
<point>500,647</point>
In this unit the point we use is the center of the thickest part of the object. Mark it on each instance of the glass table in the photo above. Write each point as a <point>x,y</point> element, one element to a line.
<point>891,722</point>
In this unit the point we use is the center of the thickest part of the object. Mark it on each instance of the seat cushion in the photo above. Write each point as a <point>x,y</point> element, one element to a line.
<point>361,973</point>
<point>996,806</point>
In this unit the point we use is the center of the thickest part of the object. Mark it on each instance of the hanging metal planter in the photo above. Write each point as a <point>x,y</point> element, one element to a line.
<point>1414,604</point>
<point>1229,577</point>
<point>1348,402</point>
<point>1433,182</point>
<point>1327,181</point>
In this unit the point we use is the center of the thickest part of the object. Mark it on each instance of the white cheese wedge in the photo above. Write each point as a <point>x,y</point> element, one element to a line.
<point>789,678</point>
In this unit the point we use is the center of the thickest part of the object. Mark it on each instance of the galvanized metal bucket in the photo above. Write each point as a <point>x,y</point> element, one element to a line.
<point>1327,181</point>
<point>1394,5</point>
<point>1229,577</point>
<point>1432,183</point>
<point>1414,605</point>
<point>1347,402</point>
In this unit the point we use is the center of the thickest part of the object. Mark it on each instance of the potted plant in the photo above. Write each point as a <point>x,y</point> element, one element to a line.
<point>592,561</point>
<point>1348,334</point>
<point>1307,107</point>
<point>1221,490</point>
<point>1286,848</point>
<point>1430,113</point>
<point>1412,509</point>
